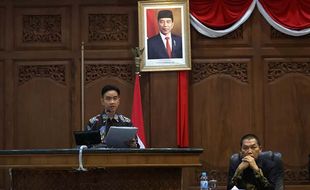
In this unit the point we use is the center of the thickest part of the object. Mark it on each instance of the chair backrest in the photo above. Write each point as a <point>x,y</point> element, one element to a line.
<point>274,156</point>
<point>268,155</point>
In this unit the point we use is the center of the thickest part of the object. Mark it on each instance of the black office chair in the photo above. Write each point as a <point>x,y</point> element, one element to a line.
<point>275,157</point>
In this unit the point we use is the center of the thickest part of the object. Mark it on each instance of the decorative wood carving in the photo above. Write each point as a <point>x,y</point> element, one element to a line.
<point>54,72</point>
<point>236,70</point>
<point>96,71</point>
<point>296,175</point>
<point>275,34</point>
<point>277,69</point>
<point>107,27</point>
<point>42,28</point>
<point>235,35</point>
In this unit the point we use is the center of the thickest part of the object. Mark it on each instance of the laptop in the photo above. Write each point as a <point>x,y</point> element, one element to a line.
<point>118,137</point>
<point>87,137</point>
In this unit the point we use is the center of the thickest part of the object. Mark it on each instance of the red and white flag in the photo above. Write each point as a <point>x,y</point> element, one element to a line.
<point>137,113</point>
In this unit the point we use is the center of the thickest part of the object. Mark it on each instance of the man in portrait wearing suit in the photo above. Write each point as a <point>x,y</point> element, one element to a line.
<point>164,45</point>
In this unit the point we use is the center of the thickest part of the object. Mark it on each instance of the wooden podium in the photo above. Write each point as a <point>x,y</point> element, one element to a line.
<point>152,168</point>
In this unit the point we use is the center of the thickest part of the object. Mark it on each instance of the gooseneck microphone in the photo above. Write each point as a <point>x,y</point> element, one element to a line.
<point>105,127</point>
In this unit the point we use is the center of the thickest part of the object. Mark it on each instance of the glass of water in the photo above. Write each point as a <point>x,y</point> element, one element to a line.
<point>212,184</point>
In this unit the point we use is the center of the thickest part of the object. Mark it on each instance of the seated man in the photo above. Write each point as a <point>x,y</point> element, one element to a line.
<point>252,171</point>
<point>110,99</point>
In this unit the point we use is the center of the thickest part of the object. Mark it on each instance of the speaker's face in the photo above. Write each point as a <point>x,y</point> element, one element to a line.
<point>110,101</point>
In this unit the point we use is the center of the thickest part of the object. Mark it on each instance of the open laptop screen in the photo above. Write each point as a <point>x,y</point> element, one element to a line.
<point>87,137</point>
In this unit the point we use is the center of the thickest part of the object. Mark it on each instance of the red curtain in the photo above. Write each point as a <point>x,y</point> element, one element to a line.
<point>293,14</point>
<point>182,109</point>
<point>219,14</point>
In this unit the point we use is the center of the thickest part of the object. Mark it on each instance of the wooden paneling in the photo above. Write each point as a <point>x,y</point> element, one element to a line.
<point>2,19</point>
<point>239,37</point>
<point>287,92</point>
<point>42,104</point>
<point>114,179</point>
<point>42,28</point>
<point>287,107</point>
<point>273,38</point>
<point>109,27</point>
<point>163,98</point>
<point>2,103</point>
<point>220,96</point>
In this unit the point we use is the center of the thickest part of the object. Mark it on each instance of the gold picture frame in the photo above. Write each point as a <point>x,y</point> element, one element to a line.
<point>151,16</point>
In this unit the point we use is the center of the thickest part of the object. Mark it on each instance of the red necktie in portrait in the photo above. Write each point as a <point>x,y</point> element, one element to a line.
<point>168,47</point>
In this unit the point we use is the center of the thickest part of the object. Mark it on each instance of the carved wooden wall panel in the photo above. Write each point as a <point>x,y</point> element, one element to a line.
<point>100,73</point>
<point>106,27</point>
<point>2,19</point>
<point>220,95</point>
<point>43,28</point>
<point>2,103</point>
<point>42,103</point>
<point>287,112</point>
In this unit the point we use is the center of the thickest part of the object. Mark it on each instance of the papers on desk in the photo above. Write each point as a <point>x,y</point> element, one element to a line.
<point>236,188</point>
<point>119,137</point>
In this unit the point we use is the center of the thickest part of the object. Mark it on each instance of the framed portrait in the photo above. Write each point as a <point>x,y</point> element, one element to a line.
<point>164,33</point>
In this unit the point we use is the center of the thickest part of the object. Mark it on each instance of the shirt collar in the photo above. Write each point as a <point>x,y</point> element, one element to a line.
<point>105,116</point>
<point>163,37</point>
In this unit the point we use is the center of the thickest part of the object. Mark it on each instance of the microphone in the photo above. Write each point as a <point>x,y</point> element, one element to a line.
<point>105,128</point>
<point>102,129</point>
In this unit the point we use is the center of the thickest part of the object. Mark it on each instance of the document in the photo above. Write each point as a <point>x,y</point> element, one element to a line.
<point>119,137</point>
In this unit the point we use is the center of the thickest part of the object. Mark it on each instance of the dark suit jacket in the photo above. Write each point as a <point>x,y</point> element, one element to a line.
<point>156,48</point>
<point>272,170</point>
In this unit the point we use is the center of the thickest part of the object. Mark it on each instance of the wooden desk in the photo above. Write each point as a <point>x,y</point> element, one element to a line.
<point>153,168</point>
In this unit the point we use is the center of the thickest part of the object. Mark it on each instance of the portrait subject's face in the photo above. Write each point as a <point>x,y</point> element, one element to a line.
<point>110,101</point>
<point>165,25</point>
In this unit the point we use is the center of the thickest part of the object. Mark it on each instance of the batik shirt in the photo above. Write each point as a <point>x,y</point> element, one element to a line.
<point>102,122</point>
<point>267,178</point>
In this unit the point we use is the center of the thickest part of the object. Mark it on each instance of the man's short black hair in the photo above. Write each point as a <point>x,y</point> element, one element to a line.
<point>248,137</point>
<point>108,87</point>
<point>165,14</point>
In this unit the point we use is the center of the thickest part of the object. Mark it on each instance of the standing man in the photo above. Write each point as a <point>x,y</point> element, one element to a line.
<point>164,45</point>
<point>253,172</point>
<point>110,100</point>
